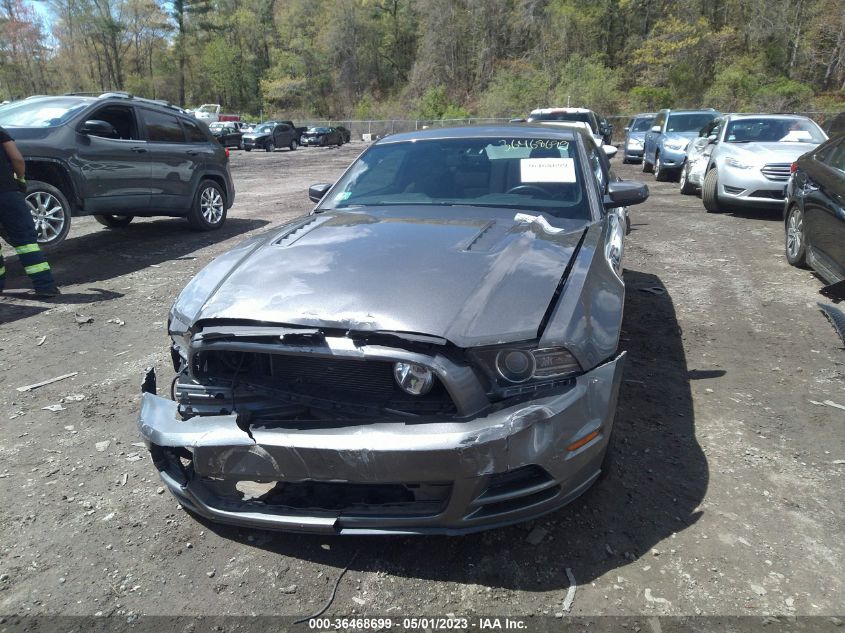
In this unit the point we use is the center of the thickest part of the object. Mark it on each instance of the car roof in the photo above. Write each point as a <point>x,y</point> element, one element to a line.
<point>767,115</point>
<point>566,110</point>
<point>697,111</point>
<point>643,115</point>
<point>529,130</point>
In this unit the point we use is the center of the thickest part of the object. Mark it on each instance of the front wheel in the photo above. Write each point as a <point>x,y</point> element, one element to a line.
<point>710,193</point>
<point>208,211</point>
<point>114,221</point>
<point>241,144</point>
<point>247,149</point>
<point>50,212</point>
<point>796,240</point>
<point>647,168</point>
<point>293,145</point>
<point>687,188</point>
<point>661,174</point>
<point>270,147</point>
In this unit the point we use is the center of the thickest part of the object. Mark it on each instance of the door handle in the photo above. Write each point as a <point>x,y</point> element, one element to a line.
<point>139,150</point>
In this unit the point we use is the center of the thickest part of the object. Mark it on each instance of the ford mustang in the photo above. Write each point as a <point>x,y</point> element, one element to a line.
<point>433,349</point>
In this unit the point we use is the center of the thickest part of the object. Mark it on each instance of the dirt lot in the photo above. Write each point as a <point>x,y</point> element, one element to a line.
<point>726,498</point>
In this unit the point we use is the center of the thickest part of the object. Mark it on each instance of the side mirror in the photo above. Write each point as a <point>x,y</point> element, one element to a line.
<point>624,193</point>
<point>316,192</point>
<point>712,139</point>
<point>95,127</point>
<point>610,150</point>
<point>626,128</point>
<point>656,129</point>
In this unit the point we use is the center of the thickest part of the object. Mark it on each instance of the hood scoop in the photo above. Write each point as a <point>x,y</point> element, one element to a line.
<point>301,231</point>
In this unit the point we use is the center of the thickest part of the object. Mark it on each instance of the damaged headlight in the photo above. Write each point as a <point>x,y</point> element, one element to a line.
<point>511,366</point>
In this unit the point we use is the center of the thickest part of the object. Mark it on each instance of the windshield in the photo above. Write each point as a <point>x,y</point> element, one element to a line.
<point>510,172</point>
<point>216,126</point>
<point>265,129</point>
<point>317,130</point>
<point>642,125</point>
<point>774,130</point>
<point>41,112</point>
<point>208,107</point>
<point>583,117</point>
<point>689,122</point>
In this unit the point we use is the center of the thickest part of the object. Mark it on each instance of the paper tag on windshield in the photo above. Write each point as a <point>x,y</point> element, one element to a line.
<point>547,170</point>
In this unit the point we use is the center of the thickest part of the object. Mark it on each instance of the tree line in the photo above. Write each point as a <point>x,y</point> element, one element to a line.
<point>431,59</point>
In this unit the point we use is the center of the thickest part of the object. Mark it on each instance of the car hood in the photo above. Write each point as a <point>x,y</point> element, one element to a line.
<point>473,280</point>
<point>639,136</point>
<point>769,152</point>
<point>255,137</point>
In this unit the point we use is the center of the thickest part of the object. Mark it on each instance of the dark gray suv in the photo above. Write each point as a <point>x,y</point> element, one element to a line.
<point>115,157</point>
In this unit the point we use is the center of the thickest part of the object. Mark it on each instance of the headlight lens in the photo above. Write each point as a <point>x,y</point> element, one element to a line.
<point>515,365</point>
<point>510,366</point>
<point>413,379</point>
<point>676,143</point>
<point>635,143</point>
<point>733,162</point>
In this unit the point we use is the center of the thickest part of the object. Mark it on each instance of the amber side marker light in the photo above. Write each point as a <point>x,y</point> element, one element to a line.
<point>584,440</point>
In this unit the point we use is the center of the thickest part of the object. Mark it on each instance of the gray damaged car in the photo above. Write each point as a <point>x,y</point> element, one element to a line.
<point>432,350</point>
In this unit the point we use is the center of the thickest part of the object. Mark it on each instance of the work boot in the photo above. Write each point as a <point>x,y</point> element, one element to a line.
<point>48,292</point>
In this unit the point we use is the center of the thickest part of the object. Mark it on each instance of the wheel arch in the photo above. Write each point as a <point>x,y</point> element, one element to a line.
<point>57,174</point>
<point>218,180</point>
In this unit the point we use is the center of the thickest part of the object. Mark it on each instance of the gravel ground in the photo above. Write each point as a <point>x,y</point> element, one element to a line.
<point>726,497</point>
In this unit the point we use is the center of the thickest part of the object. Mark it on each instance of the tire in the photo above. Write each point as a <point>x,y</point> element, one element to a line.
<point>208,211</point>
<point>114,221</point>
<point>647,167</point>
<point>687,188</point>
<point>51,213</point>
<point>293,145</point>
<point>796,239</point>
<point>710,193</point>
<point>661,174</point>
<point>270,147</point>
<point>241,144</point>
<point>625,161</point>
<point>247,149</point>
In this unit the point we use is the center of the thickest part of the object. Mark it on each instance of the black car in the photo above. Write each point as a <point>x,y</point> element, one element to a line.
<point>116,157</point>
<point>227,134</point>
<point>814,214</point>
<point>345,133</point>
<point>270,135</point>
<point>322,136</point>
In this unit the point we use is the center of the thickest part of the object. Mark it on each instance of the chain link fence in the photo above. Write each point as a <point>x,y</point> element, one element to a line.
<point>375,129</point>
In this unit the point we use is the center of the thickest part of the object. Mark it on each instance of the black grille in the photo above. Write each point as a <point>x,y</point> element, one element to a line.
<point>515,490</point>
<point>351,499</point>
<point>368,383</point>
<point>767,193</point>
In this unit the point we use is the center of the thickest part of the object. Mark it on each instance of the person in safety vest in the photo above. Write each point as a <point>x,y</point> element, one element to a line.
<point>17,222</point>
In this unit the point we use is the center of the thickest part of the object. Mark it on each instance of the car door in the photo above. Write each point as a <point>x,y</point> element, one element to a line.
<point>824,208</point>
<point>173,162</point>
<point>651,137</point>
<point>116,167</point>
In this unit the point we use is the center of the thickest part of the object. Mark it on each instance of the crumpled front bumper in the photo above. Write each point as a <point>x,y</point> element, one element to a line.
<point>499,468</point>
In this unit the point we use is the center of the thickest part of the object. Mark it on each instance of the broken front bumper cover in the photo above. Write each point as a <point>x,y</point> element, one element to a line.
<point>499,468</point>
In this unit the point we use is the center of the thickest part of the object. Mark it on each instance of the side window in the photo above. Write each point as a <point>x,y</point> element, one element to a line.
<point>836,158</point>
<point>284,128</point>
<point>161,127</point>
<point>193,132</point>
<point>598,168</point>
<point>121,118</point>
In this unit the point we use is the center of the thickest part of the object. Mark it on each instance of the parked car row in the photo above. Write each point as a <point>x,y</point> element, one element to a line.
<point>272,135</point>
<point>782,162</point>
